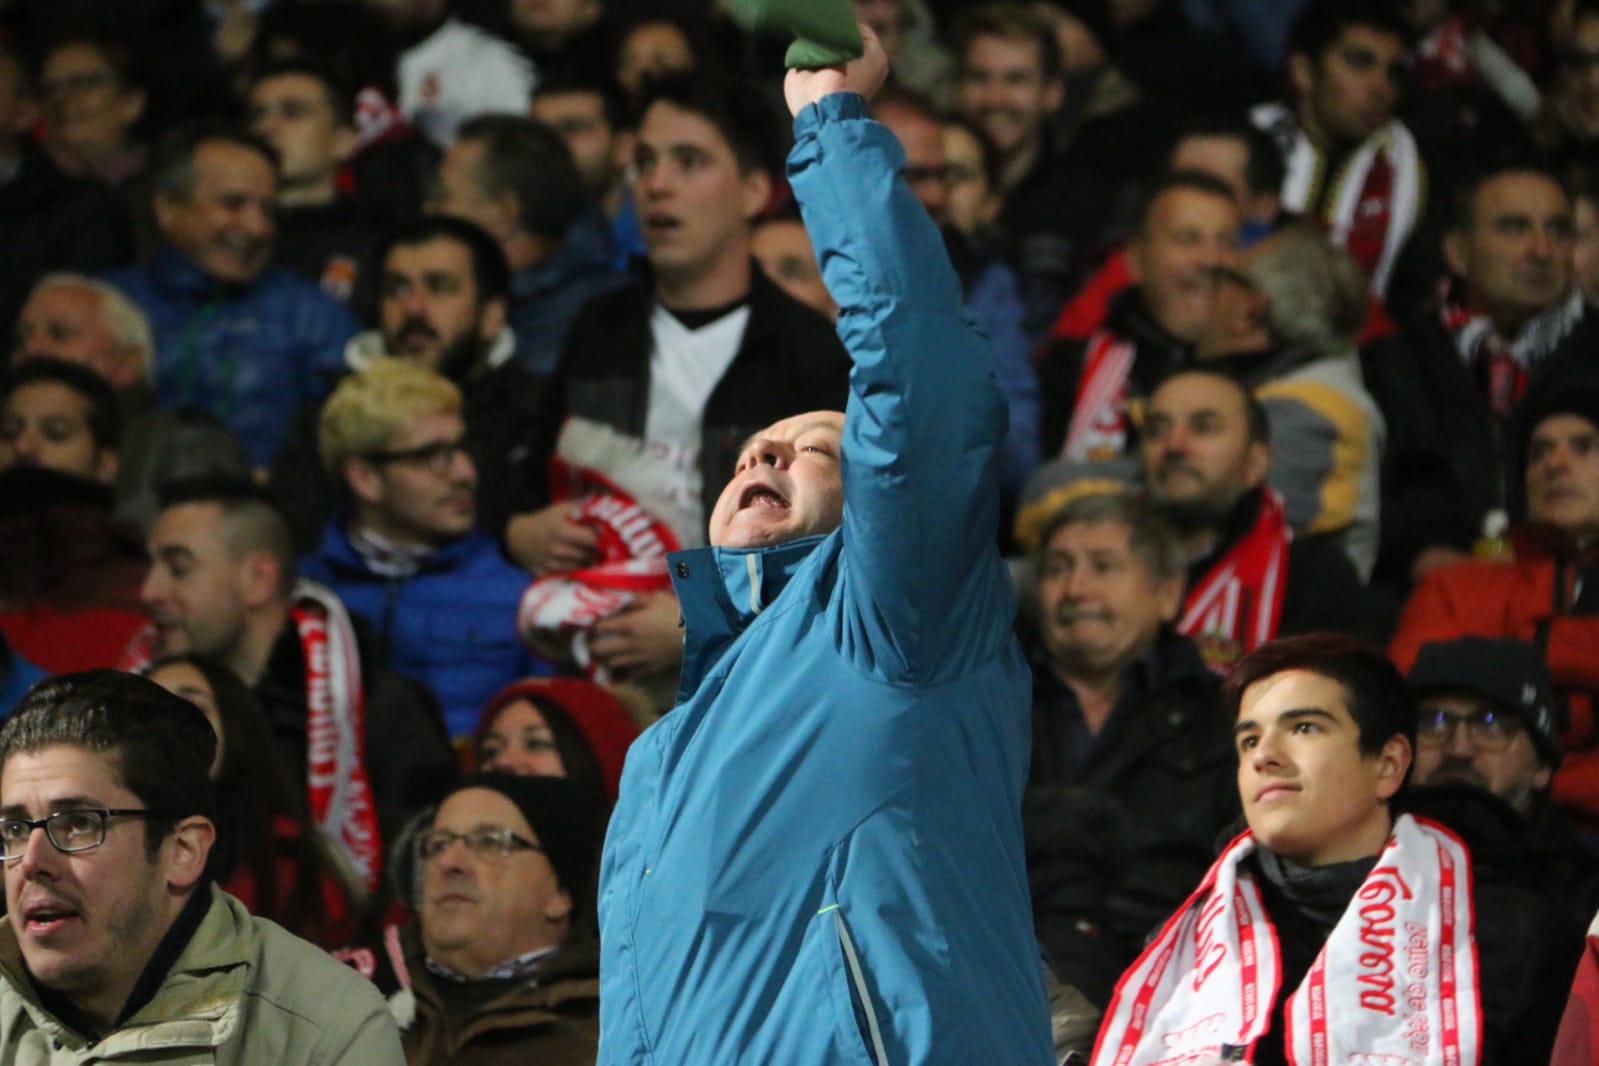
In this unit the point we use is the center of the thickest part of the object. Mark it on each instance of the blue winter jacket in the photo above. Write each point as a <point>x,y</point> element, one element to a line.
<point>451,625</point>
<point>249,355</point>
<point>817,855</point>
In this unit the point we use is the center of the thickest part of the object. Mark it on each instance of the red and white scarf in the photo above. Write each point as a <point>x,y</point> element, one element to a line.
<point>335,730</point>
<point>1237,605</point>
<point>1499,366</point>
<point>1099,423</point>
<point>1395,983</point>
<point>1375,198</point>
<point>557,610</point>
<point>335,701</point>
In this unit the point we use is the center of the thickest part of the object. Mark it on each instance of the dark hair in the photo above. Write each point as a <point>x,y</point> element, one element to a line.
<point>340,97</point>
<point>894,95</point>
<point>1465,204</point>
<point>577,757</point>
<point>491,274</point>
<point>119,54</point>
<point>105,413</point>
<point>350,38</point>
<point>1376,695</point>
<point>739,112</point>
<point>1192,180</point>
<point>172,169</point>
<point>161,745</point>
<point>1256,422</point>
<point>1012,21</point>
<point>252,793</point>
<point>1264,166</point>
<point>580,79</point>
<point>985,147</point>
<point>530,160</point>
<point>250,522</point>
<point>1320,23</point>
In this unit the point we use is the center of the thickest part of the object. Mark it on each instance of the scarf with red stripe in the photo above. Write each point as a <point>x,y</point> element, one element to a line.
<point>1396,981</point>
<point>1099,423</point>
<point>1499,366</point>
<point>1237,605</point>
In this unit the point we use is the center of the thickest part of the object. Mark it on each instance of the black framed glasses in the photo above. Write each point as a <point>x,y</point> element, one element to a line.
<point>437,456</point>
<point>1488,730</point>
<point>68,831</point>
<point>485,842</point>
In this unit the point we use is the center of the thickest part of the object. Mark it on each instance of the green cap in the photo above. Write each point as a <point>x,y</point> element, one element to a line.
<point>825,33</point>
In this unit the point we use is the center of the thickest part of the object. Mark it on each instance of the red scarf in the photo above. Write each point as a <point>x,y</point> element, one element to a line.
<point>1237,605</point>
<point>340,795</point>
<point>1099,423</point>
<point>1396,981</point>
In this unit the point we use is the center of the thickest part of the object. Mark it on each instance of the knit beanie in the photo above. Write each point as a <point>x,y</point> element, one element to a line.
<point>561,816</point>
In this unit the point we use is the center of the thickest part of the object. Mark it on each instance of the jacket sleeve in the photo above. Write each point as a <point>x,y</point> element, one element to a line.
<point>368,1036</point>
<point>924,420</point>
<point>1430,614</point>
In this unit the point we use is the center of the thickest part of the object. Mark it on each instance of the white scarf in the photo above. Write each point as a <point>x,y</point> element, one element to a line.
<point>1307,171</point>
<point>1395,983</point>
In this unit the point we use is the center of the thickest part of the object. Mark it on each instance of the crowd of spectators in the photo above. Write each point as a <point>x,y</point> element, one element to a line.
<point>367,358</point>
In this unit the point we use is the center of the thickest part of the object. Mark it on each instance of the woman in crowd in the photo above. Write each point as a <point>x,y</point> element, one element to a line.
<point>266,852</point>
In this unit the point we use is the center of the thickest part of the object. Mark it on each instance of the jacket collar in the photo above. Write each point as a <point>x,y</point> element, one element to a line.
<point>341,554</point>
<point>721,590</point>
<point>179,275</point>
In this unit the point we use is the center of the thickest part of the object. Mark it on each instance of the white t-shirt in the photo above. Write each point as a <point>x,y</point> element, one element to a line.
<point>685,367</point>
<point>460,71</point>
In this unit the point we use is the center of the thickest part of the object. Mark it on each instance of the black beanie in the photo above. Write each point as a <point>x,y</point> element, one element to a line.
<point>562,817</point>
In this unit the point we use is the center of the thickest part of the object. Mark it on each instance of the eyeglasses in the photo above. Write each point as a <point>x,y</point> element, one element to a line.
<point>1488,730</point>
<point>437,457</point>
<point>69,831</point>
<point>915,175</point>
<point>484,843</point>
<point>1579,59</point>
<point>77,83</point>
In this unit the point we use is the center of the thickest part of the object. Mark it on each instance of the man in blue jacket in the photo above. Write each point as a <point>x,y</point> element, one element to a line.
<point>234,336</point>
<point>817,855</point>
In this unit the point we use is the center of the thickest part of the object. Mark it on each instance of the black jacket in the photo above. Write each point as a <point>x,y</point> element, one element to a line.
<point>1157,355</point>
<point>1323,591</point>
<point>1448,460</point>
<point>1114,850</point>
<point>790,361</point>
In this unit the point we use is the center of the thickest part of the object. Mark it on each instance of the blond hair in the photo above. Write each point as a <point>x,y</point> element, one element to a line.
<point>370,407</point>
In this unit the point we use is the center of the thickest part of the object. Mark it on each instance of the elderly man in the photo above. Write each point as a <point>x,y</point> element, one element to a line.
<point>1337,923</point>
<point>233,336</point>
<point>406,553</point>
<point>1205,453</point>
<point>1118,829</point>
<point>497,965</point>
<point>1545,591</point>
<point>116,945</point>
<point>817,857</point>
<point>82,320</point>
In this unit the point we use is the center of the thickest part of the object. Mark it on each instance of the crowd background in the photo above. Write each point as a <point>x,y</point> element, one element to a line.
<point>407,336</point>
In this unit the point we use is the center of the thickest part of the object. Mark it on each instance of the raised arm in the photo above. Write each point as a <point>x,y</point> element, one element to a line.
<point>925,418</point>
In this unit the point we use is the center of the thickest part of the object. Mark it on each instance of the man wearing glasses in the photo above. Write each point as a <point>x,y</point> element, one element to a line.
<point>499,965</point>
<point>406,552</point>
<point>1488,742</point>
<point>116,943</point>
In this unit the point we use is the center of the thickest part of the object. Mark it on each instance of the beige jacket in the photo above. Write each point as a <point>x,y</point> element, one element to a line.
<point>243,993</point>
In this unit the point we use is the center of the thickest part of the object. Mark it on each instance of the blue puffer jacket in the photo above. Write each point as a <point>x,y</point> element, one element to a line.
<point>451,625</point>
<point>817,855</point>
<point>251,356</point>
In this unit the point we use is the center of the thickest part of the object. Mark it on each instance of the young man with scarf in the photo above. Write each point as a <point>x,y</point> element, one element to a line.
<point>370,745</point>
<point>1205,453</point>
<point>1337,928</point>
<point>1352,165</point>
<point>1508,324</point>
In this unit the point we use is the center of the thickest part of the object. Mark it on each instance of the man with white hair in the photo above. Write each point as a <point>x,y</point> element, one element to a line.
<point>87,321</point>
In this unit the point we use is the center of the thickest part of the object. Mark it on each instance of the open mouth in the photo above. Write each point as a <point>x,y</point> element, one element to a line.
<point>762,497</point>
<point>43,919</point>
<point>659,223</point>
